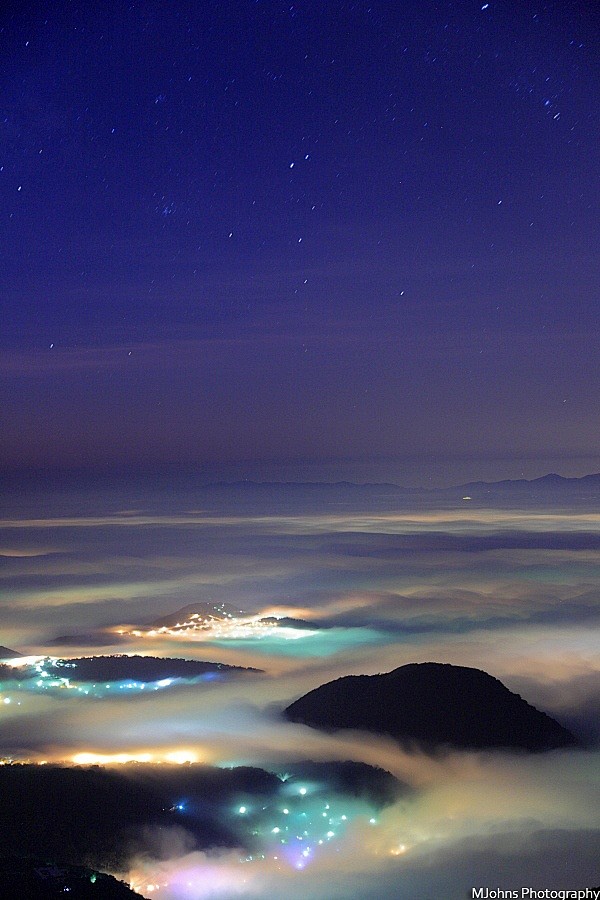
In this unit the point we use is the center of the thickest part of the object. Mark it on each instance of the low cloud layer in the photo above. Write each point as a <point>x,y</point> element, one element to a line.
<point>513,593</point>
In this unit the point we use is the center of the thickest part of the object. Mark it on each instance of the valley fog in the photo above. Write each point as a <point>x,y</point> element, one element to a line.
<point>360,586</point>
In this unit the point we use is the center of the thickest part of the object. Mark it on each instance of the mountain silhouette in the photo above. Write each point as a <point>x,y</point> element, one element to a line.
<point>199,612</point>
<point>142,668</point>
<point>31,878</point>
<point>432,704</point>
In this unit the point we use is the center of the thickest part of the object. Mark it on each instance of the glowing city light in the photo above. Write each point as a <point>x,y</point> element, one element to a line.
<point>107,759</point>
<point>218,624</point>
<point>173,757</point>
<point>182,756</point>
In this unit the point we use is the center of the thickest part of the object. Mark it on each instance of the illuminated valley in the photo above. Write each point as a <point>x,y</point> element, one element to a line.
<point>222,622</point>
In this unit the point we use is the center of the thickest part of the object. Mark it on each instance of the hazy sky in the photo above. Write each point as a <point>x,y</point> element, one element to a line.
<point>267,231</point>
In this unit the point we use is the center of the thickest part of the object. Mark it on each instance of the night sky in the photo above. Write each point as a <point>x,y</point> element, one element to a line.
<point>328,238</point>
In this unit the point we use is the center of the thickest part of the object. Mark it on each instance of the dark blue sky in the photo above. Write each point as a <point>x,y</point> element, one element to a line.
<point>264,231</point>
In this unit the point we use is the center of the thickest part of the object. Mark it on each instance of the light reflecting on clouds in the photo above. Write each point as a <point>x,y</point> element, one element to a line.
<point>512,592</point>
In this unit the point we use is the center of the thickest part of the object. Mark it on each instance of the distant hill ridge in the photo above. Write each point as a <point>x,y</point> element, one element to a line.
<point>432,704</point>
<point>121,666</point>
<point>551,479</point>
<point>204,609</point>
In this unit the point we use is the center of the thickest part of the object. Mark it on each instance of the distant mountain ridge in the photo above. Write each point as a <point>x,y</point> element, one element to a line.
<point>143,668</point>
<point>550,480</point>
<point>122,667</point>
<point>296,496</point>
<point>163,493</point>
<point>432,704</point>
<point>203,609</point>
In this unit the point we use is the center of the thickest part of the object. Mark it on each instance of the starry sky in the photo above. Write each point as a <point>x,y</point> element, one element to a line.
<point>342,238</point>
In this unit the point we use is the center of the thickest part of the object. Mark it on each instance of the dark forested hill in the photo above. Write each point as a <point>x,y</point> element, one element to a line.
<point>432,704</point>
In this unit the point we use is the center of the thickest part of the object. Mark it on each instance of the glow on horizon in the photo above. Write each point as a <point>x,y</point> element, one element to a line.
<point>178,756</point>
